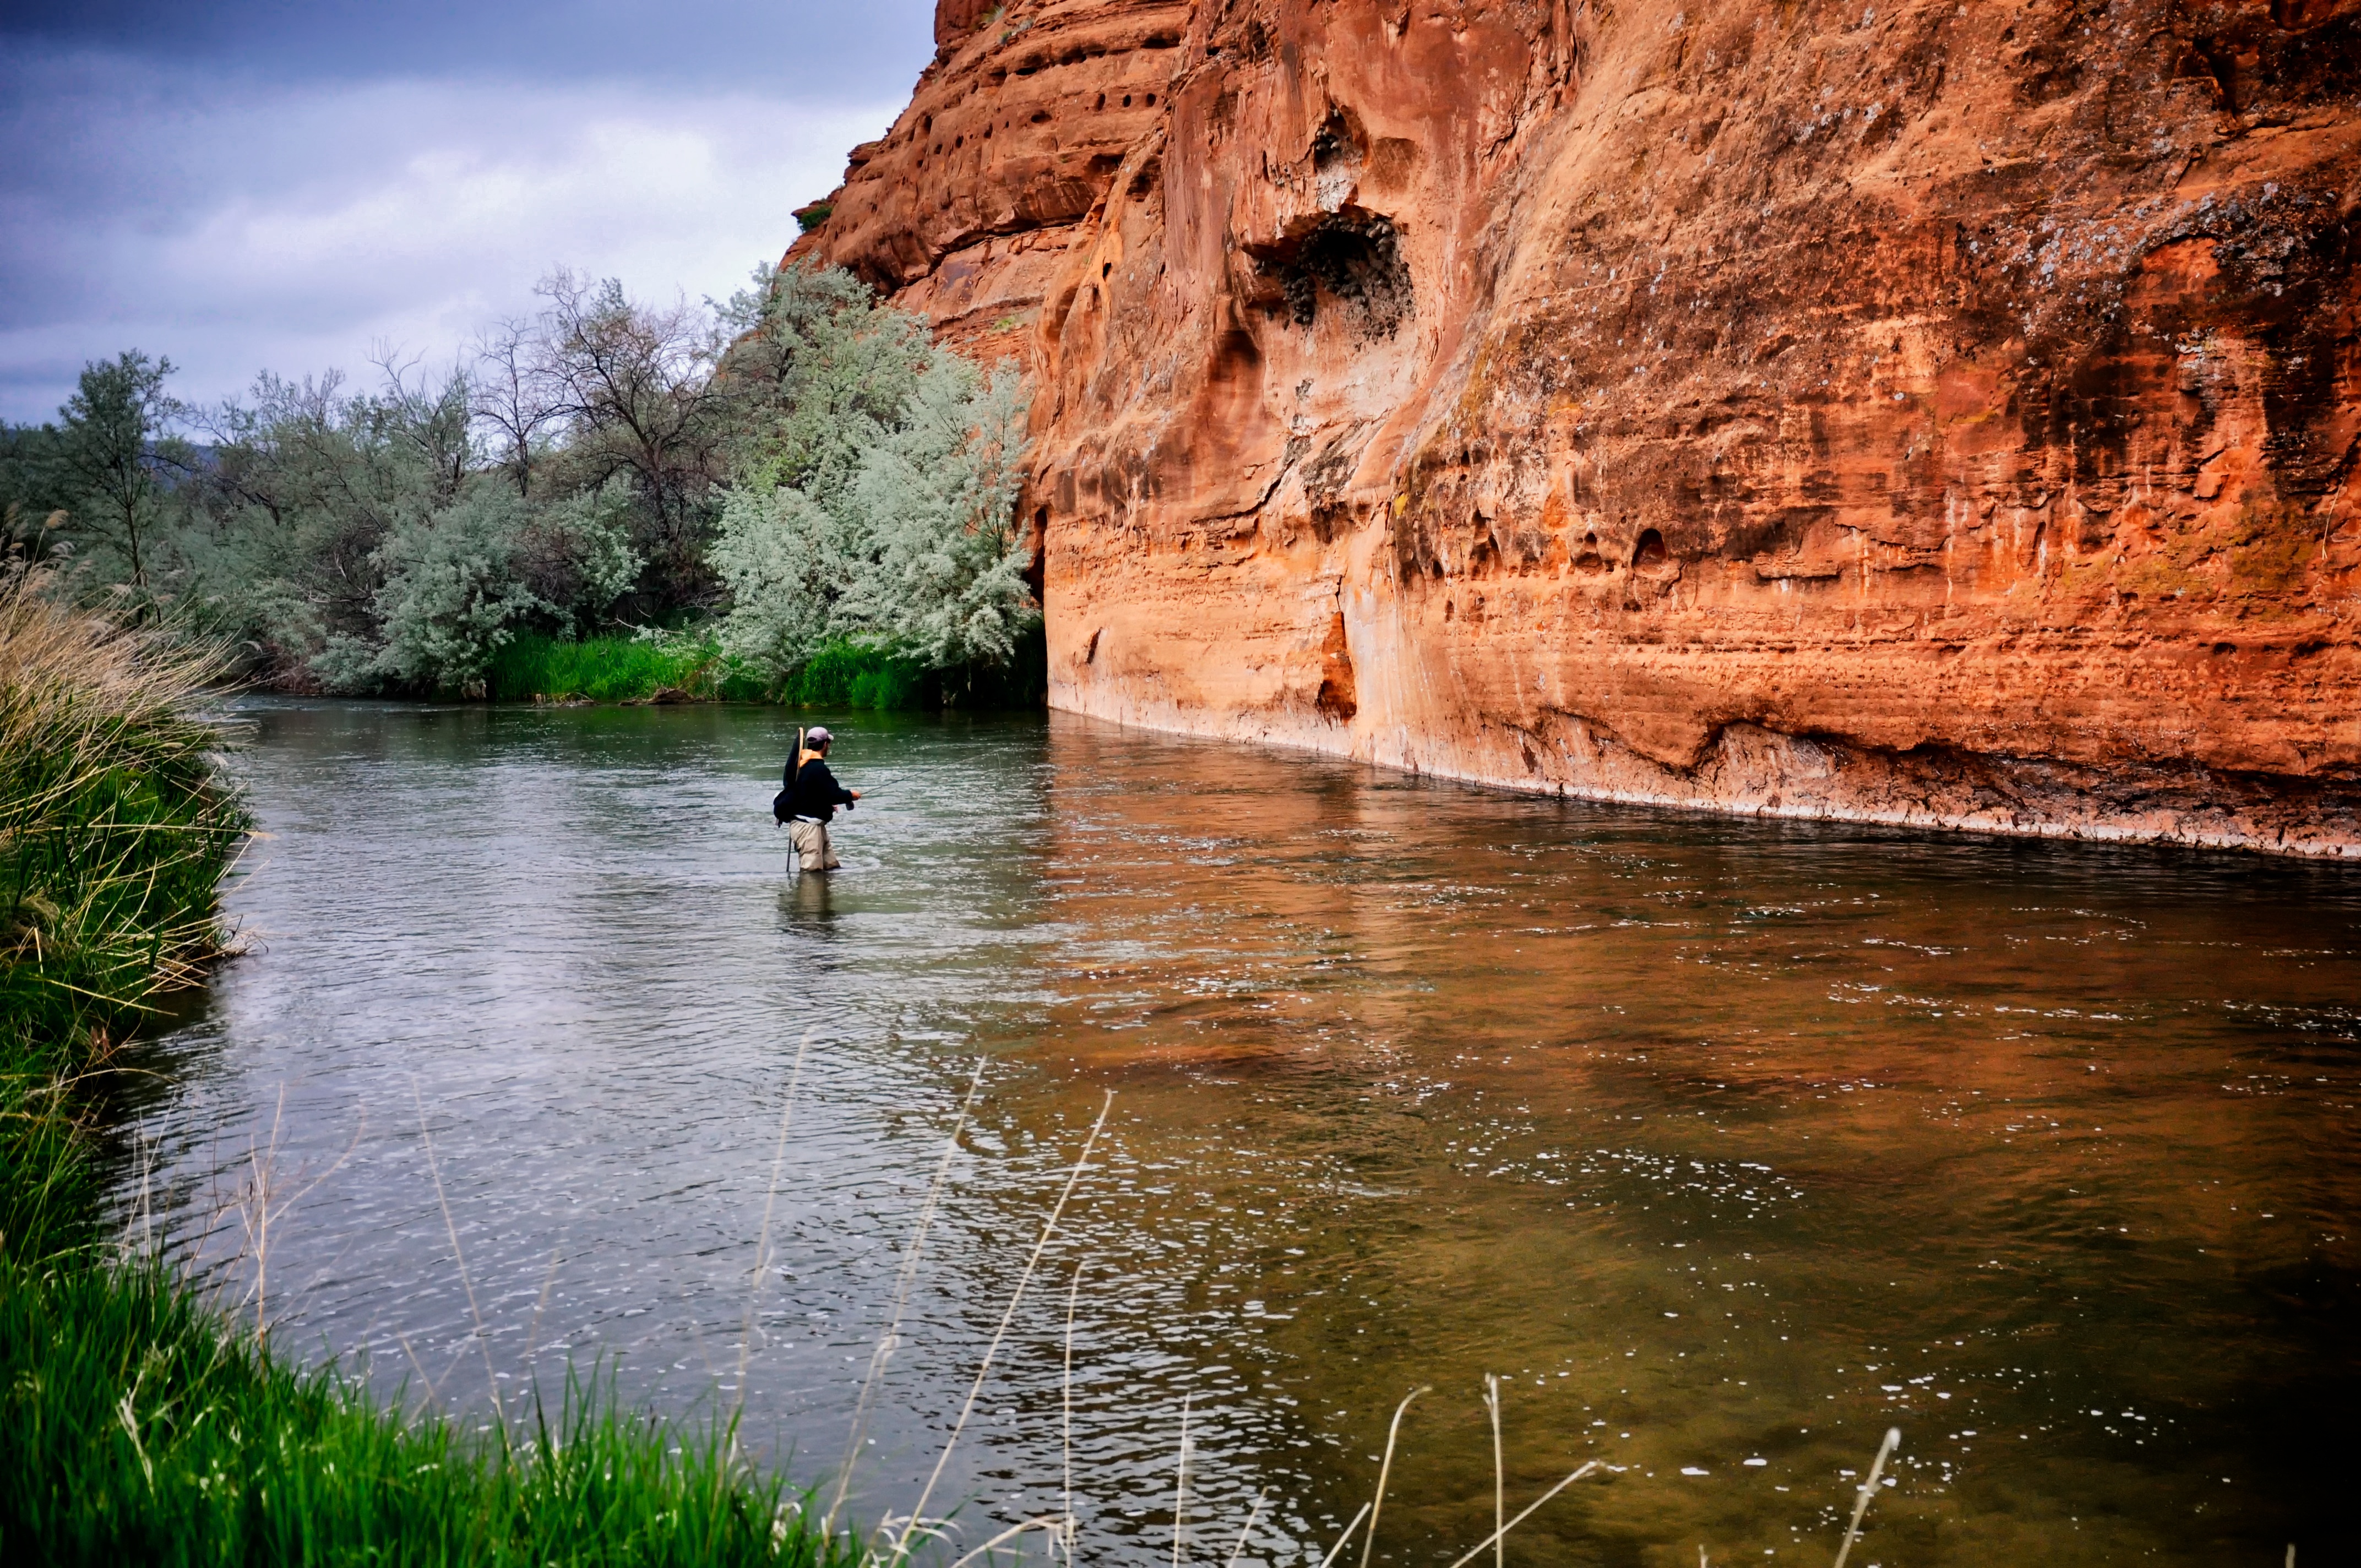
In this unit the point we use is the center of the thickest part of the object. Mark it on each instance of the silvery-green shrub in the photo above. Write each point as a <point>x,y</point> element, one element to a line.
<point>450,598</point>
<point>942,578</point>
<point>873,487</point>
<point>574,554</point>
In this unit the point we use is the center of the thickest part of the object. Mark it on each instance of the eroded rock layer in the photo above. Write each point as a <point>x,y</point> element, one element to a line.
<point>1928,413</point>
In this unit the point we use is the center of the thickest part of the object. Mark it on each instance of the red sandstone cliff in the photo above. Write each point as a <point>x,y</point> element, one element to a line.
<point>1933,412</point>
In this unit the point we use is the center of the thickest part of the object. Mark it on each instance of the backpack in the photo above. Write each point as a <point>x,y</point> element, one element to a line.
<point>783,803</point>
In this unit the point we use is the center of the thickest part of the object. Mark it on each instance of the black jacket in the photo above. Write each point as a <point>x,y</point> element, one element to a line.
<point>811,793</point>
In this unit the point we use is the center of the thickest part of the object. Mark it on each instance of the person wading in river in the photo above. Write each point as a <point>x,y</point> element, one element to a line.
<point>810,801</point>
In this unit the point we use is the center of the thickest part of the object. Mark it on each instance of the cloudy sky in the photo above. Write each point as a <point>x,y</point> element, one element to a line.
<point>289,184</point>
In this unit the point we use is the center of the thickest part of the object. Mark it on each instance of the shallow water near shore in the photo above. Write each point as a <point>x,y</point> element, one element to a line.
<point>1726,1144</point>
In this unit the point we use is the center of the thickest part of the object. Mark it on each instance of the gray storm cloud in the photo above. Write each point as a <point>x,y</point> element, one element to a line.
<point>236,220</point>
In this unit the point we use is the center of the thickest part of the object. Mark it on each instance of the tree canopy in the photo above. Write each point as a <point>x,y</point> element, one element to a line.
<point>798,467</point>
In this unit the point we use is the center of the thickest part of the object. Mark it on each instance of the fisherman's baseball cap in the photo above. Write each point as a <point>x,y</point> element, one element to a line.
<point>817,735</point>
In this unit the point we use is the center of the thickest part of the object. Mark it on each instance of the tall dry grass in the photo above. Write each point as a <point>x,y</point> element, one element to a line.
<point>116,827</point>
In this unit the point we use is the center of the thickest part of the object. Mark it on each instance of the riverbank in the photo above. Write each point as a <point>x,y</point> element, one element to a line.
<point>140,1419</point>
<point>534,667</point>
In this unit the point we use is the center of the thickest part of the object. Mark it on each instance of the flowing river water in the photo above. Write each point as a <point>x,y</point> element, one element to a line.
<point>1726,1144</point>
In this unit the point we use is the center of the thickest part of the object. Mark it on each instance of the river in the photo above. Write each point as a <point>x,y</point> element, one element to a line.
<point>1726,1144</point>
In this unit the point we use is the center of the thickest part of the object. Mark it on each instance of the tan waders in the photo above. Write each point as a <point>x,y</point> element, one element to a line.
<point>811,846</point>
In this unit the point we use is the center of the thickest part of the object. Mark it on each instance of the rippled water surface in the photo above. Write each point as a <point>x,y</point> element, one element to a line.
<point>1726,1144</point>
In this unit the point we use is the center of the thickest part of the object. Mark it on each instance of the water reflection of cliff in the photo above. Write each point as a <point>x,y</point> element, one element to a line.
<point>1743,1141</point>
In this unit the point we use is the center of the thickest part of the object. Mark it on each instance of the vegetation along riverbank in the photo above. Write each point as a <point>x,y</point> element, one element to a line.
<point>139,1418</point>
<point>794,496</point>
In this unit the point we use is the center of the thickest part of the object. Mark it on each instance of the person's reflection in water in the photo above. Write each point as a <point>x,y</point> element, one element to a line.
<point>807,904</point>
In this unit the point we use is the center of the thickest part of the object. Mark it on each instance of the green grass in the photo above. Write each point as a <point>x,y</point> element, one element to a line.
<point>603,669</point>
<point>853,674</point>
<point>849,675</point>
<point>133,1427</point>
<point>136,1424</point>
<point>843,674</point>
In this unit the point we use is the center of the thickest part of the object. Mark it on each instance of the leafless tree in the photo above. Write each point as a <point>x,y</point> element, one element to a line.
<point>512,397</point>
<point>434,424</point>
<point>633,388</point>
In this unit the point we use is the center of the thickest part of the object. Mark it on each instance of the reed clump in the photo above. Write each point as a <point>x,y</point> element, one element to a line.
<point>115,828</point>
<point>535,668</point>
